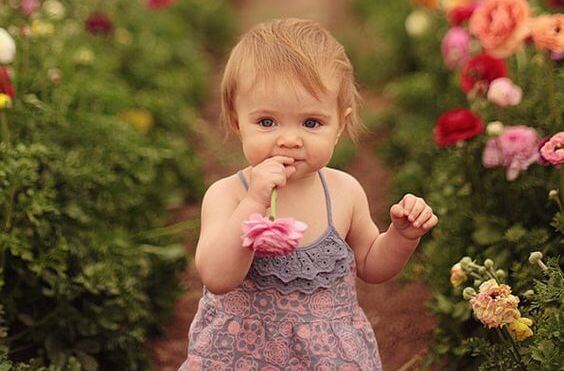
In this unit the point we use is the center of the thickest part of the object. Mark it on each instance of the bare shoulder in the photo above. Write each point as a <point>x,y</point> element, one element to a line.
<point>228,190</point>
<point>342,182</point>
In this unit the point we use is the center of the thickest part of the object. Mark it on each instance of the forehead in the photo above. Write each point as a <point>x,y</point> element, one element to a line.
<point>281,90</point>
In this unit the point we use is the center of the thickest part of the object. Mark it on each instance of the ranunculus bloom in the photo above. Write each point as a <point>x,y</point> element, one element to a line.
<point>504,92</point>
<point>7,47</point>
<point>159,4</point>
<point>5,101</point>
<point>98,23</point>
<point>272,237</point>
<point>457,275</point>
<point>494,305</point>
<point>27,7</point>
<point>457,125</point>
<point>515,149</point>
<point>457,15</point>
<point>5,85</point>
<point>519,329</point>
<point>553,150</point>
<point>501,26</point>
<point>480,71</point>
<point>548,32</point>
<point>455,47</point>
<point>494,128</point>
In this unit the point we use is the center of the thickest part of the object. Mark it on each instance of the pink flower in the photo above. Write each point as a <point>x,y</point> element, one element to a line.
<point>159,4</point>
<point>494,305</point>
<point>553,150</point>
<point>504,92</point>
<point>516,148</point>
<point>455,47</point>
<point>548,32</point>
<point>272,237</point>
<point>27,7</point>
<point>501,26</point>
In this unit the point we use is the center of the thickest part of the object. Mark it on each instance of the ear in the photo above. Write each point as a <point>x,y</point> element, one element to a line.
<point>343,122</point>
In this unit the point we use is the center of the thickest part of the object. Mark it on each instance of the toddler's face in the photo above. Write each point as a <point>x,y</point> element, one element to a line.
<point>279,118</point>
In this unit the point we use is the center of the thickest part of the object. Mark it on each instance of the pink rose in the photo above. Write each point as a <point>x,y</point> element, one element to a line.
<point>272,237</point>
<point>553,150</point>
<point>504,92</point>
<point>455,47</point>
<point>515,148</point>
<point>501,26</point>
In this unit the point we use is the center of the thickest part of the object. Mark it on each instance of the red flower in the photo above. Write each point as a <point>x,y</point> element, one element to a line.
<point>457,125</point>
<point>481,70</point>
<point>5,86</point>
<point>159,4</point>
<point>457,16</point>
<point>98,23</point>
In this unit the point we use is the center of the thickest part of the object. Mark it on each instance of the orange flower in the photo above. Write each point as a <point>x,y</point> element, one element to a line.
<point>433,4</point>
<point>547,32</point>
<point>501,26</point>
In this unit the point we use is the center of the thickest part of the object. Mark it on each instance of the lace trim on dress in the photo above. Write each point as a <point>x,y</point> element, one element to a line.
<point>305,269</point>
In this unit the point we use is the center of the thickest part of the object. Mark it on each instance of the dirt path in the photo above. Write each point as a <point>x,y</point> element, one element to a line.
<point>395,311</point>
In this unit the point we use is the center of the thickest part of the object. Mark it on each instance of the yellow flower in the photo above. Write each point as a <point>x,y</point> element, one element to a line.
<point>5,101</point>
<point>41,29</point>
<point>457,275</point>
<point>141,119</point>
<point>520,329</point>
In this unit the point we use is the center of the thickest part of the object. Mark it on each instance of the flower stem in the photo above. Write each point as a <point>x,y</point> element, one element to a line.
<point>510,343</point>
<point>514,346</point>
<point>553,105</point>
<point>273,204</point>
<point>5,129</point>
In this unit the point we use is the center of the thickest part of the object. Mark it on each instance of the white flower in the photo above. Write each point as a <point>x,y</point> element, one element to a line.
<point>54,9</point>
<point>494,128</point>
<point>417,23</point>
<point>7,47</point>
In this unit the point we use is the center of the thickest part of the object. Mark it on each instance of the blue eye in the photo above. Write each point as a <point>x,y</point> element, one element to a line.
<point>311,124</point>
<point>266,123</point>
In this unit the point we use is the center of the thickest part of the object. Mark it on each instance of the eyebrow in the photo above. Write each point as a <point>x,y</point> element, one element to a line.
<point>271,112</point>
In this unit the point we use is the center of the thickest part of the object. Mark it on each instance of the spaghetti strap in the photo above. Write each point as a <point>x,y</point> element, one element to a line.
<point>327,198</point>
<point>243,180</point>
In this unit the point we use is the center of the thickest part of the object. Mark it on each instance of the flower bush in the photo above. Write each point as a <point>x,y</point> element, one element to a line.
<point>496,194</point>
<point>93,151</point>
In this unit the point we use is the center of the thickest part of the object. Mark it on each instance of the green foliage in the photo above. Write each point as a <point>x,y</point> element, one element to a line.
<point>96,153</point>
<point>481,213</point>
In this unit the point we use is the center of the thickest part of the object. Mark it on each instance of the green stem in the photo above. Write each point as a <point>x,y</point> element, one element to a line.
<point>514,346</point>
<point>561,190</point>
<point>510,347</point>
<point>5,129</point>
<point>553,105</point>
<point>273,204</point>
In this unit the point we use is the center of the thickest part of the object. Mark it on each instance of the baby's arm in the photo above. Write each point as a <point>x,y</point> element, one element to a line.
<point>379,256</point>
<point>221,260</point>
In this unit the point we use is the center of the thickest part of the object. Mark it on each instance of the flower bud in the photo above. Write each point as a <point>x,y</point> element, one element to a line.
<point>553,194</point>
<point>477,283</point>
<point>500,274</point>
<point>494,128</point>
<point>529,294</point>
<point>488,263</point>
<point>468,293</point>
<point>457,275</point>
<point>7,47</point>
<point>418,23</point>
<point>465,263</point>
<point>535,257</point>
<point>482,270</point>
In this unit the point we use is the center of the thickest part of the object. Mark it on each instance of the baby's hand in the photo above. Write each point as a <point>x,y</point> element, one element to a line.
<point>272,172</point>
<point>412,217</point>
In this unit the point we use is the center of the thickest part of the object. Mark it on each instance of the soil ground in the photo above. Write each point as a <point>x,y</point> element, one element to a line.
<point>396,311</point>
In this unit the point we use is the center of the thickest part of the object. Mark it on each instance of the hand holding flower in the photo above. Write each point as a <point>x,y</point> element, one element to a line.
<point>412,217</point>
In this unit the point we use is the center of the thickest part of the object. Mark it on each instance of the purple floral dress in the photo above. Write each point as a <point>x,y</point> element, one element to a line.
<point>292,312</point>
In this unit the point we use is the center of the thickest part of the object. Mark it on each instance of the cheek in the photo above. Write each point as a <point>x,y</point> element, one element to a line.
<point>255,151</point>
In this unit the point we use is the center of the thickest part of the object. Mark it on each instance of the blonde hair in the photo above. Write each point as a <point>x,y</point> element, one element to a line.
<point>296,49</point>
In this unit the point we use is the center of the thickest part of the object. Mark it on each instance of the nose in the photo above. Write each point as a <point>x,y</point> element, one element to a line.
<point>289,139</point>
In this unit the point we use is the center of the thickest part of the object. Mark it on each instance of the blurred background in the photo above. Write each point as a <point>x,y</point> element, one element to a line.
<point>110,135</point>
